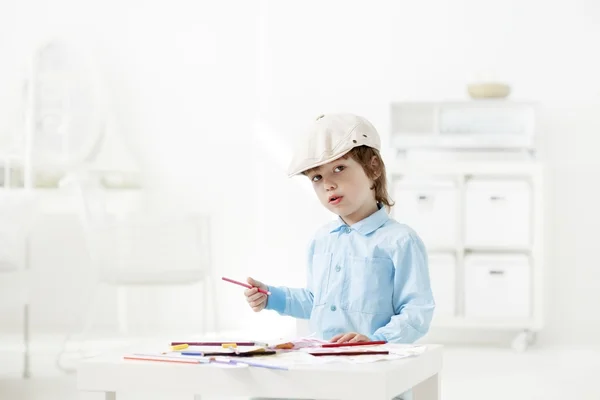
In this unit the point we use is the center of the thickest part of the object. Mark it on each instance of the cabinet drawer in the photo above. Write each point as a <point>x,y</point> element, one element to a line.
<point>497,213</point>
<point>497,286</point>
<point>430,208</point>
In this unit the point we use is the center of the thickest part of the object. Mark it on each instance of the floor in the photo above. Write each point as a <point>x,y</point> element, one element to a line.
<point>470,373</point>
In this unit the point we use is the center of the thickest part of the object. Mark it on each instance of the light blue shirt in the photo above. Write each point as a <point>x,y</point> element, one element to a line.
<point>371,278</point>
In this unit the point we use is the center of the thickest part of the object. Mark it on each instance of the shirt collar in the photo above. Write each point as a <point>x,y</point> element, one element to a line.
<point>366,225</point>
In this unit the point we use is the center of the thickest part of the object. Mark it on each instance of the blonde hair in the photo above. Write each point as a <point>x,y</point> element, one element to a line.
<point>363,155</point>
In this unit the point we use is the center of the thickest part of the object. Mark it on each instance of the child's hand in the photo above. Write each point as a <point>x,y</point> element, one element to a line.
<point>350,337</point>
<point>257,300</point>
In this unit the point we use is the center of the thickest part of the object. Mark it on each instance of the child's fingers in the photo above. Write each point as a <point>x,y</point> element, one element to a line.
<point>255,296</point>
<point>336,337</point>
<point>260,305</point>
<point>254,282</point>
<point>358,338</point>
<point>256,299</point>
<point>346,337</point>
<point>258,302</point>
<point>250,292</point>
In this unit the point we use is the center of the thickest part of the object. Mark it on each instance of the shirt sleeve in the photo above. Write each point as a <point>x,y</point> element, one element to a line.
<point>413,300</point>
<point>294,302</point>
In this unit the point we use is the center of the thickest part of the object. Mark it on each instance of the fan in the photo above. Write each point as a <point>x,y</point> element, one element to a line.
<point>65,113</point>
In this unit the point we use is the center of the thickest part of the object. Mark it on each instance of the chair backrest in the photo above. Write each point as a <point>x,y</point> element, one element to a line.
<point>17,211</point>
<point>142,246</point>
<point>148,240</point>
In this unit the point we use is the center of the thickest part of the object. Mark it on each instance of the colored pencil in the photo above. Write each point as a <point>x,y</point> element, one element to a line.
<point>245,285</point>
<point>219,343</point>
<point>349,353</point>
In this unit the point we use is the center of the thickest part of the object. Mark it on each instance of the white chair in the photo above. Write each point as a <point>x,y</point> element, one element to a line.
<point>133,249</point>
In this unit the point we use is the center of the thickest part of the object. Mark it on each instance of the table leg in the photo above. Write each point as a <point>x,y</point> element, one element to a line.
<point>429,389</point>
<point>110,396</point>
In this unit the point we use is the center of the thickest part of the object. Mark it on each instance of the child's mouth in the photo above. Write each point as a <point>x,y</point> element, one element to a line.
<point>335,200</point>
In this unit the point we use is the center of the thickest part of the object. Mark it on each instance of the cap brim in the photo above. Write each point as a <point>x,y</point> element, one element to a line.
<point>318,164</point>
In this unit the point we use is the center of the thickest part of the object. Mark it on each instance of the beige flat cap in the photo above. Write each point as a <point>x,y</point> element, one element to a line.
<point>330,137</point>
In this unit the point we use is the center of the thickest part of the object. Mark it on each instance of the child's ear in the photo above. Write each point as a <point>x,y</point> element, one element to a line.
<point>376,167</point>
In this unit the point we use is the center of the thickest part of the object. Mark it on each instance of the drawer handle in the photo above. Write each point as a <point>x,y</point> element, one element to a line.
<point>422,197</point>
<point>496,272</point>
<point>497,198</point>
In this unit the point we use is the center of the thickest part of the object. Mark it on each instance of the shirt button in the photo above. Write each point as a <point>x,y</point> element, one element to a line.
<point>333,308</point>
<point>348,229</point>
<point>338,268</point>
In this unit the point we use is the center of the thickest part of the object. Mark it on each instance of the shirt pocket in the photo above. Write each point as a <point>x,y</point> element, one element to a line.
<point>320,277</point>
<point>369,285</point>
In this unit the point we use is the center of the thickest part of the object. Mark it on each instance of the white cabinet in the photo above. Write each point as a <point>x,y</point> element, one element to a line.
<point>484,234</point>
<point>467,179</point>
<point>429,207</point>
<point>498,286</point>
<point>497,213</point>
<point>442,273</point>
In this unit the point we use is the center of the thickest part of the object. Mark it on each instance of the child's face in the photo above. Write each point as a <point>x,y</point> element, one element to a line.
<point>344,189</point>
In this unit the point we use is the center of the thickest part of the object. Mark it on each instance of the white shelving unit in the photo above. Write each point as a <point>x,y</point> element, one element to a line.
<point>464,125</point>
<point>481,221</point>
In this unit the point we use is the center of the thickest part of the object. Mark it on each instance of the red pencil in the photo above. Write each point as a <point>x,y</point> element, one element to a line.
<point>354,344</point>
<point>245,285</point>
<point>349,353</point>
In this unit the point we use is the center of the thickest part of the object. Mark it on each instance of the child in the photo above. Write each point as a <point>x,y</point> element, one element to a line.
<point>367,274</point>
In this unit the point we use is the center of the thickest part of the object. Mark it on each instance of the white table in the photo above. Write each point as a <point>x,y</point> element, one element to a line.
<point>381,380</point>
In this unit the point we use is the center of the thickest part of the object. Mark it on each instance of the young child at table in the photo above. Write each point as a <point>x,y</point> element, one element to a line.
<point>368,277</point>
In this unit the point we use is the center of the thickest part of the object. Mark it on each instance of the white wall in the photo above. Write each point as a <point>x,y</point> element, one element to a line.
<point>336,56</point>
<point>200,74</point>
<point>182,84</point>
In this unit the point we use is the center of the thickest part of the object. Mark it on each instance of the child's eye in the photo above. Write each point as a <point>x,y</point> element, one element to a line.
<point>339,168</point>
<point>315,178</point>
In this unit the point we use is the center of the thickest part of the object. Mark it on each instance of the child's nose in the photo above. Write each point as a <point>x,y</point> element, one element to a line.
<point>329,184</point>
